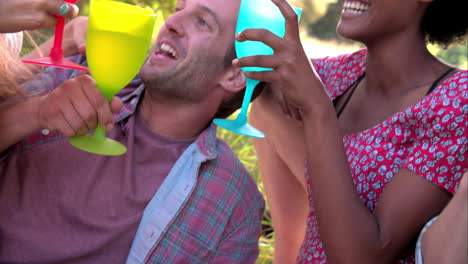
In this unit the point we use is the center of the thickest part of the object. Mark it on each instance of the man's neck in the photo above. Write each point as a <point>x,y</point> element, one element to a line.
<point>175,119</point>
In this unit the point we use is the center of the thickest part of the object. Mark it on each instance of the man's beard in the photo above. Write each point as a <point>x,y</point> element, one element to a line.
<point>186,82</point>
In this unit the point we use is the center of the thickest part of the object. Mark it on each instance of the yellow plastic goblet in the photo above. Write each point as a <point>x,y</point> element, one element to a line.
<point>117,42</point>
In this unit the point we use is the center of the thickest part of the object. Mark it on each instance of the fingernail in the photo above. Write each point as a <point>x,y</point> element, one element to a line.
<point>235,62</point>
<point>238,36</point>
<point>64,8</point>
<point>109,126</point>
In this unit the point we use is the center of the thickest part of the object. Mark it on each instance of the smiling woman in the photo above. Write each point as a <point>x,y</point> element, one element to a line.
<point>355,7</point>
<point>382,130</point>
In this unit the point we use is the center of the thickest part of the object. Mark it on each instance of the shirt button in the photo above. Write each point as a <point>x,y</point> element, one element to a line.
<point>45,132</point>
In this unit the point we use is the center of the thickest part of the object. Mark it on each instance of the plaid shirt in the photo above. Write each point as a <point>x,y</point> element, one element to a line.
<point>208,209</point>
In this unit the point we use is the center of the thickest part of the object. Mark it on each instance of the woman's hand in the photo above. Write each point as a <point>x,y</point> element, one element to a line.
<point>18,15</point>
<point>276,94</point>
<point>293,78</point>
<point>74,41</point>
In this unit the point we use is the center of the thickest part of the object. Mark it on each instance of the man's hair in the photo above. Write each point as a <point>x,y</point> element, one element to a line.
<point>444,22</point>
<point>235,102</point>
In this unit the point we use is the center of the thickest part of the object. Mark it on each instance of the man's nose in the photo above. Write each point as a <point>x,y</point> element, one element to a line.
<point>174,24</point>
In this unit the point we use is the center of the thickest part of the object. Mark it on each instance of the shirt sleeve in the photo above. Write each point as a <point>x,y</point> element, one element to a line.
<point>241,245</point>
<point>439,152</point>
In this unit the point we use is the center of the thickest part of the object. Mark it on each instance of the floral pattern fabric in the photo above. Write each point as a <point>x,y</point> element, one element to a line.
<point>428,138</point>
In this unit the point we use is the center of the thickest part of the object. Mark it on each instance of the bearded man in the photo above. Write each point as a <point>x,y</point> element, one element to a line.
<point>179,194</point>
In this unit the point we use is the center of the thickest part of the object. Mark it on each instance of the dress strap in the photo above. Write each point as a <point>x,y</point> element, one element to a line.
<point>356,83</point>
<point>353,88</point>
<point>436,82</point>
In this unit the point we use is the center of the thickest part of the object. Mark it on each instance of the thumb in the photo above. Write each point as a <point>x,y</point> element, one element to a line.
<point>116,104</point>
<point>82,49</point>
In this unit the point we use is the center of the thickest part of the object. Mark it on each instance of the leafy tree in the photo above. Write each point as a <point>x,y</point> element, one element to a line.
<point>313,10</point>
<point>456,54</point>
<point>324,27</point>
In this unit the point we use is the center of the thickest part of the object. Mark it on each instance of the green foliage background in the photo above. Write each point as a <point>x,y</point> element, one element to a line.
<point>319,19</point>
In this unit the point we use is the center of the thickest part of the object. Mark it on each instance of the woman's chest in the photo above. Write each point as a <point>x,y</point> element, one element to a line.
<point>377,154</point>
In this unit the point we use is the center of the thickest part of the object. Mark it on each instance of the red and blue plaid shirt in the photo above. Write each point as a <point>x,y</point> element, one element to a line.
<point>208,209</point>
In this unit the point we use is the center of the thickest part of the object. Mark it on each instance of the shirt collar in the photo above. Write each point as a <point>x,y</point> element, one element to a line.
<point>206,142</point>
<point>130,96</point>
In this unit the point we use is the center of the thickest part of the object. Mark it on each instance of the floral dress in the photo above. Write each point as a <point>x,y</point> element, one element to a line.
<point>428,138</point>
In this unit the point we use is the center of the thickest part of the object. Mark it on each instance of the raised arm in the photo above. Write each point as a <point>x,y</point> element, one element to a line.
<point>350,232</point>
<point>19,15</point>
<point>446,240</point>
<point>282,172</point>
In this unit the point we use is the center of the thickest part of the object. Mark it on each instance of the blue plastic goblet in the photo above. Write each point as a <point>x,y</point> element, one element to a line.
<point>254,14</point>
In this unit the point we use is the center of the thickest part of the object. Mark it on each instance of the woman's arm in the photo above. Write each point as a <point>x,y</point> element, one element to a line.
<point>446,240</point>
<point>19,15</point>
<point>349,231</point>
<point>74,40</point>
<point>282,170</point>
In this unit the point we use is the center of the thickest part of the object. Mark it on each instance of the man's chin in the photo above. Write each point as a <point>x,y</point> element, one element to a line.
<point>149,75</point>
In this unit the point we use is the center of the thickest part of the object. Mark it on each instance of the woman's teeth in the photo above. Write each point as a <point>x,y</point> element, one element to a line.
<point>355,7</point>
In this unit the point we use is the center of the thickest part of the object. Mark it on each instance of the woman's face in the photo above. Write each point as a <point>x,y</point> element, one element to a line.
<point>370,20</point>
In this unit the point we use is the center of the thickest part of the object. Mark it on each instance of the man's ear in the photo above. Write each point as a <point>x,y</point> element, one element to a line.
<point>233,79</point>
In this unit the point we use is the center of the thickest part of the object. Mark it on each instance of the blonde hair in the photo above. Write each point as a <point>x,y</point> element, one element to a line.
<point>12,71</point>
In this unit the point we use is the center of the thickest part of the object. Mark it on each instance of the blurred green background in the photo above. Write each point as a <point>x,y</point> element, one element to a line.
<point>319,38</point>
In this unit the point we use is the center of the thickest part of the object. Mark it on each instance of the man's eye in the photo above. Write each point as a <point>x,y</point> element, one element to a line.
<point>203,22</point>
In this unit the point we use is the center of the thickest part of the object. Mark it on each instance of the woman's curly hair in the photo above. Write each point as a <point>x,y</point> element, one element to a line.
<point>444,22</point>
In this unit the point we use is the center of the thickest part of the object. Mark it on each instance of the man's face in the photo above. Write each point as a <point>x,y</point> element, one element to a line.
<point>189,55</point>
